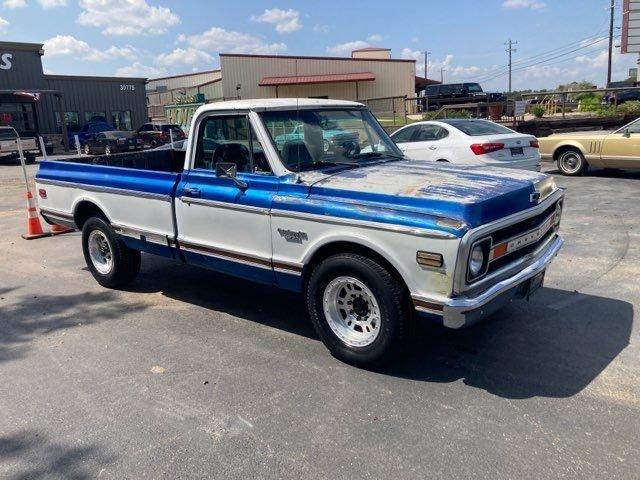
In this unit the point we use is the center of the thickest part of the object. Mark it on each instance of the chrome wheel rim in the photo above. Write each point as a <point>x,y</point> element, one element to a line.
<point>570,162</point>
<point>352,311</point>
<point>87,150</point>
<point>100,252</point>
<point>107,150</point>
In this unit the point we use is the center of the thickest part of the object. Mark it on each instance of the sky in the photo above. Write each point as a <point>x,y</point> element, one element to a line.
<point>558,41</point>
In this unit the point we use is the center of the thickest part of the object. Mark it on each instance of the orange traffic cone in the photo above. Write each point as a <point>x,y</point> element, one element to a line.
<point>58,229</point>
<point>34,229</point>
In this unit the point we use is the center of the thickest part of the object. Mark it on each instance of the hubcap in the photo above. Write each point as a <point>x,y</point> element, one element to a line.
<point>107,150</point>
<point>570,162</point>
<point>100,252</point>
<point>352,311</point>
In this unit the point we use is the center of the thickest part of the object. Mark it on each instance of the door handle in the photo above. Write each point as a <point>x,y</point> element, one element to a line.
<point>433,147</point>
<point>191,191</point>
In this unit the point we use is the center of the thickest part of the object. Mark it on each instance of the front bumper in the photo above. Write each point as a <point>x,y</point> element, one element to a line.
<point>461,312</point>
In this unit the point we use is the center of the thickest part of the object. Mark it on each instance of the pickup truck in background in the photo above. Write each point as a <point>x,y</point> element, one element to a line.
<point>370,238</point>
<point>9,145</point>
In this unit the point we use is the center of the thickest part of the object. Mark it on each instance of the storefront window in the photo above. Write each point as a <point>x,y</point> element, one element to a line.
<point>122,120</point>
<point>19,115</point>
<point>94,117</point>
<point>72,120</point>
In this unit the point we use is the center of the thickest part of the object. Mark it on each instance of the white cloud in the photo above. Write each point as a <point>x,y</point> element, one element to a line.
<point>69,46</point>
<point>126,17</point>
<point>4,25</point>
<point>321,28</point>
<point>534,4</point>
<point>218,39</point>
<point>376,37</point>
<point>344,49</point>
<point>46,4</point>
<point>138,69</point>
<point>181,56</point>
<point>286,21</point>
<point>14,4</point>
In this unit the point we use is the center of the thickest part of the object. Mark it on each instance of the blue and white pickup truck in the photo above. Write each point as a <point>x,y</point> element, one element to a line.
<point>371,238</point>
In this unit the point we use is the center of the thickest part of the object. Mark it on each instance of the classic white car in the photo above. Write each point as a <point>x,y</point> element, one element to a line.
<point>369,237</point>
<point>468,142</point>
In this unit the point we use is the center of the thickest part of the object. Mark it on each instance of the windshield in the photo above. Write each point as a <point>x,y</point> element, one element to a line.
<point>7,134</point>
<point>310,138</point>
<point>474,88</point>
<point>476,128</point>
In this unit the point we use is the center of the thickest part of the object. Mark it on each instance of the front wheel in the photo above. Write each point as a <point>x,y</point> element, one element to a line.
<point>572,162</point>
<point>110,261</point>
<point>358,308</point>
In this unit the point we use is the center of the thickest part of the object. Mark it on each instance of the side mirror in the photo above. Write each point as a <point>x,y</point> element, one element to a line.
<point>626,133</point>
<point>230,170</point>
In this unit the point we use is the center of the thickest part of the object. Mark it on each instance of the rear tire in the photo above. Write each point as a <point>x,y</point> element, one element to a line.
<point>358,308</point>
<point>87,149</point>
<point>572,163</point>
<point>110,261</point>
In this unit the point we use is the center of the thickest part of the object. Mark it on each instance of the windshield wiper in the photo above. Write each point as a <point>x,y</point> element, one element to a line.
<point>377,155</point>
<point>329,162</point>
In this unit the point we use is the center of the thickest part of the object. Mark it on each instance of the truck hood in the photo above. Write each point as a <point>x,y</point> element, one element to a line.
<point>471,195</point>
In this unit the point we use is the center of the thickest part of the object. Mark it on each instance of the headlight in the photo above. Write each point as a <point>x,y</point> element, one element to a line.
<point>476,260</point>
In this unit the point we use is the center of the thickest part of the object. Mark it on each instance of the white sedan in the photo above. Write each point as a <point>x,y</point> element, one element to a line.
<point>468,142</point>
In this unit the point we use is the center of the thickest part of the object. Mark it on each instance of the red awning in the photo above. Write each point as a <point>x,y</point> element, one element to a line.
<point>311,79</point>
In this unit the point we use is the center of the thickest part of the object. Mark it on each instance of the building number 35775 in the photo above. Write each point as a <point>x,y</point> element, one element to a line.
<point>127,87</point>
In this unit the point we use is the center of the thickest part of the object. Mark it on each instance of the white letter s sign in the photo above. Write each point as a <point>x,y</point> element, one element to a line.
<point>5,61</point>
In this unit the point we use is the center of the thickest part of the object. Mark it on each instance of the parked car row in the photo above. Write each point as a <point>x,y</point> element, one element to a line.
<point>96,136</point>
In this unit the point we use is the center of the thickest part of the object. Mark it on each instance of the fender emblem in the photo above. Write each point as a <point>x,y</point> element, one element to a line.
<point>291,236</point>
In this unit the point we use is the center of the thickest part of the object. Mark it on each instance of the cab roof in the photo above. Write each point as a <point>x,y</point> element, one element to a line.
<point>277,104</point>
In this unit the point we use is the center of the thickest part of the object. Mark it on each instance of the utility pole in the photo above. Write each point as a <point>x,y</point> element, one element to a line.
<point>510,51</point>
<point>442,70</point>
<point>613,6</point>
<point>426,63</point>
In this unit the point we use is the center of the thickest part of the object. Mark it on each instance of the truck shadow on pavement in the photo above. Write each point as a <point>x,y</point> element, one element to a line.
<point>29,454</point>
<point>25,318</point>
<point>553,346</point>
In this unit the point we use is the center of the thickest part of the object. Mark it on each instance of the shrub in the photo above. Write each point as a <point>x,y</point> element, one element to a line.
<point>538,111</point>
<point>632,106</point>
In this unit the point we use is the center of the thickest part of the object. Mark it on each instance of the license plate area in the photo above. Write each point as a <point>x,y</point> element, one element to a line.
<point>517,151</point>
<point>535,284</point>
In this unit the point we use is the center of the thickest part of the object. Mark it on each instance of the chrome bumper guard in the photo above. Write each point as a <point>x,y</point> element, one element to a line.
<point>465,311</point>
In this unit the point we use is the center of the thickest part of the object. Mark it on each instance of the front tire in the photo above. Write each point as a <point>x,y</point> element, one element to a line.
<point>572,163</point>
<point>358,308</point>
<point>110,261</point>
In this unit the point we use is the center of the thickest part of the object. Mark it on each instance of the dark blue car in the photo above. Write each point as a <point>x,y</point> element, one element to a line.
<point>88,132</point>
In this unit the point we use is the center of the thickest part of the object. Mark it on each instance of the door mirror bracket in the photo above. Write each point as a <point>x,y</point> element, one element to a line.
<point>626,133</point>
<point>230,170</point>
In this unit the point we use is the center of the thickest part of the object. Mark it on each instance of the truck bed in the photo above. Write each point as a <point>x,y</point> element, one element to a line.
<point>155,160</point>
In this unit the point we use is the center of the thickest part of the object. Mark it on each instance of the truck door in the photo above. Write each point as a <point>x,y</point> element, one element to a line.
<point>621,149</point>
<point>223,222</point>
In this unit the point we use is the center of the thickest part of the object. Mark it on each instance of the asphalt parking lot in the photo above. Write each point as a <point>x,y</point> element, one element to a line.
<point>190,374</point>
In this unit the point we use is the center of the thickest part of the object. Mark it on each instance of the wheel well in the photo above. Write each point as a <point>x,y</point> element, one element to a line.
<point>565,148</point>
<point>84,211</point>
<point>442,160</point>
<point>334,248</point>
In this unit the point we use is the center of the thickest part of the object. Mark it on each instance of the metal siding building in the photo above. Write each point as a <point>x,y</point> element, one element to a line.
<point>33,101</point>
<point>393,77</point>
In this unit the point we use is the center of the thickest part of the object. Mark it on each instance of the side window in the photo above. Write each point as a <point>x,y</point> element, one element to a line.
<point>427,133</point>
<point>432,90</point>
<point>446,90</point>
<point>405,135</point>
<point>101,136</point>
<point>634,127</point>
<point>230,139</point>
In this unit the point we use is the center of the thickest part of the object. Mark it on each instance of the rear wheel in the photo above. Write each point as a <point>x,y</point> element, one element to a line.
<point>87,149</point>
<point>572,162</point>
<point>110,261</point>
<point>107,150</point>
<point>358,308</point>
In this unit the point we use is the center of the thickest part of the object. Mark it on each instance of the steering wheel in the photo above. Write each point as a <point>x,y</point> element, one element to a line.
<point>233,153</point>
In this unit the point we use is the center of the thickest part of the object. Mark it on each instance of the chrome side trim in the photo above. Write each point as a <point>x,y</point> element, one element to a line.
<point>471,236</point>
<point>419,232</point>
<point>153,237</point>
<point>225,205</point>
<point>113,190</point>
<point>55,212</point>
